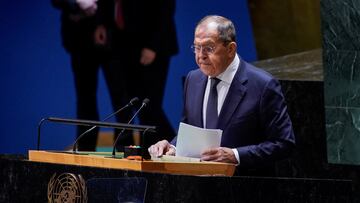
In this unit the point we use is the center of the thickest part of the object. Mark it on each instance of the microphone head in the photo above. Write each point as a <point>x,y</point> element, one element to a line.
<point>134,100</point>
<point>146,101</point>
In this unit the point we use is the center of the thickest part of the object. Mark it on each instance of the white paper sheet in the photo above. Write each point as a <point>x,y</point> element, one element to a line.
<point>191,140</point>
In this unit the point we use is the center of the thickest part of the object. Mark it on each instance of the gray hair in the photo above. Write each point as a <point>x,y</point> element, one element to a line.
<point>225,27</point>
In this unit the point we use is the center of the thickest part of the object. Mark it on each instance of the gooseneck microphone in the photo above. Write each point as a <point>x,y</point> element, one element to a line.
<point>144,103</point>
<point>131,103</point>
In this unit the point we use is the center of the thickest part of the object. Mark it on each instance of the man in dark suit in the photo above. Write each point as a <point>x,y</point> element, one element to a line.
<point>88,53</point>
<point>134,55</point>
<point>247,102</point>
<point>148,39</point>
<point>142,41</point>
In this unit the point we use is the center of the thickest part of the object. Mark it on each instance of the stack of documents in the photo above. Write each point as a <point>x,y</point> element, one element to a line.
<point>192,140</point>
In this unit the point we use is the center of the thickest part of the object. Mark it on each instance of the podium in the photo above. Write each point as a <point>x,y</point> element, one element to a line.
<point>27,181</point>
<point>101,161</point>
<point>27,178</point>
<point>106,161</point>
<point>111,189</point>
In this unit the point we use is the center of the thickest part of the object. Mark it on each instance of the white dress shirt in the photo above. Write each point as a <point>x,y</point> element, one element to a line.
<point>223,87</point>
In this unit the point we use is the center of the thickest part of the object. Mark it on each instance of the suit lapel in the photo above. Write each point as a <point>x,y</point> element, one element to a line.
<point>198,104</point>
<point>234,96</point>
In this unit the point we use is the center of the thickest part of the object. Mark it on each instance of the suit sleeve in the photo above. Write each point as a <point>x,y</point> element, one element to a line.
<point>275,122</point>
<point>183,117</point>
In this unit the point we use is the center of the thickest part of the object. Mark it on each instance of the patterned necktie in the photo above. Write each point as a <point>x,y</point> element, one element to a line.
<point>119,17</point>
<point>212,105</point>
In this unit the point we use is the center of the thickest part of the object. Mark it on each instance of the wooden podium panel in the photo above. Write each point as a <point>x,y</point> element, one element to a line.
<point>185,168</point>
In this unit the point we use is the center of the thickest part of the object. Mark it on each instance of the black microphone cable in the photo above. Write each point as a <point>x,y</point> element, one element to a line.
<point>144,104</point>
<point>131,103</point>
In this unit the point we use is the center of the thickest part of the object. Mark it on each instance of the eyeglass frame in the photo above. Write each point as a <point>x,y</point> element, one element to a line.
<point>206,49</point>
<point>201,48</point>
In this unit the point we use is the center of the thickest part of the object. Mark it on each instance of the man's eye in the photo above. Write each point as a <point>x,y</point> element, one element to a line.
<point>207,49</point>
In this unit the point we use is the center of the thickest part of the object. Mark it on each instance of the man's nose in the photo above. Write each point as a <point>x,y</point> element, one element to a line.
<point>202,54</point>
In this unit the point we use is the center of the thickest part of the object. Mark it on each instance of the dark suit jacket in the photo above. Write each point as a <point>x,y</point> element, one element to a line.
<point>77,29</point>
<point>253,118</point>
<point>148,24</point>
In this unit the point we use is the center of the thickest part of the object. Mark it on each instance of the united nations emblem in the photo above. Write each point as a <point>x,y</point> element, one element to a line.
<point>67,187</point>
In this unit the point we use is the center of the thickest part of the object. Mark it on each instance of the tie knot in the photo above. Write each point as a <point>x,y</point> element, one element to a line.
<point>214,82</point>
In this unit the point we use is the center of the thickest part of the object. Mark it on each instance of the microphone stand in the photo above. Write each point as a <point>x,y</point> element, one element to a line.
<point>74,149</point>
<point>92,123</point>
<point>145,101</point>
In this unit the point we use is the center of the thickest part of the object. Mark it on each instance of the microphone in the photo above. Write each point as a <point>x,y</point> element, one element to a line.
<point>132,102</point>
<point>144,104</point>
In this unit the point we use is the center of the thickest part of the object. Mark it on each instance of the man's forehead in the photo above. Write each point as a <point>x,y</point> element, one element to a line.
<point>210,25</point>
<point>206,30</point>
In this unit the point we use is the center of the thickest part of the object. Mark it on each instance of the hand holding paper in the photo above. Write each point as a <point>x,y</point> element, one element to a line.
<point>192,141</point>
<point>161,148</point>
<point>219,154</point>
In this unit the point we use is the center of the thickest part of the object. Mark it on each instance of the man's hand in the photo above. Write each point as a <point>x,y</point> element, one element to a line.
<point>147,56</point>
<point>161,148</point>
<point>100,36</point>
<point>88,6</point>
<point>220,154</point>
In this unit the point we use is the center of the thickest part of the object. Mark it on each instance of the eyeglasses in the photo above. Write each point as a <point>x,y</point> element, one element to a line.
<point>205,49</point>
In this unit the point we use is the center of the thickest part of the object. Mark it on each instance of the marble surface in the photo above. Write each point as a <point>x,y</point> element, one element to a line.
<point>343,135</point>
<point>301,78</point>
<point>326,138</point>
<point>305,103</point>
<point>342,79</point>
<point>24,181</point>
<point>341,26</point>
<point>342,104</point>
<point>303,66</point>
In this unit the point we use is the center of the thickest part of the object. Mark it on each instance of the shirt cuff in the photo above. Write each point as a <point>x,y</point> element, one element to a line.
<point>236,153</point>
<point>173,146</point>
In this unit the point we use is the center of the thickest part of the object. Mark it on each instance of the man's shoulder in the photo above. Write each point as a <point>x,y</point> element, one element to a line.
<point>257,73</point>
<point>195,74</point>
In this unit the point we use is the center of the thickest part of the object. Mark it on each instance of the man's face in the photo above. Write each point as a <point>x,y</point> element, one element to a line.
<point>211,55</point>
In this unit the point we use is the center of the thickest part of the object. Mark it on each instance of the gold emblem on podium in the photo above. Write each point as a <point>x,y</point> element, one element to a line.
<point>67,187</point>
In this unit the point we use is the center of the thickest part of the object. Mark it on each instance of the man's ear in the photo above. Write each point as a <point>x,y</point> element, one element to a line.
<point>232,48</point>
